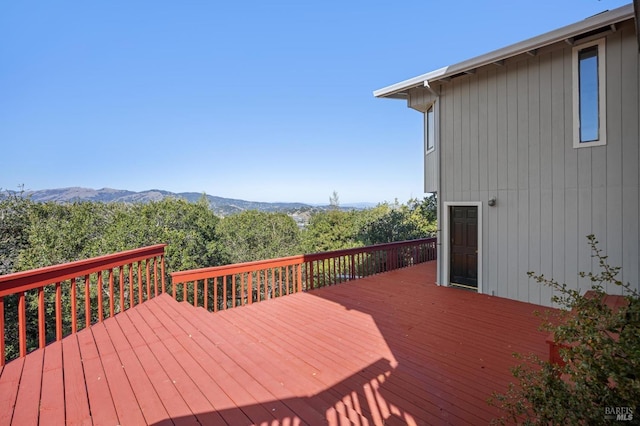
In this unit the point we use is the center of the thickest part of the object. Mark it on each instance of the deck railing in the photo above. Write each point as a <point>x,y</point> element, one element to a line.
<point>227,286</point>
<point>49,303</point>
<point>105,285</point>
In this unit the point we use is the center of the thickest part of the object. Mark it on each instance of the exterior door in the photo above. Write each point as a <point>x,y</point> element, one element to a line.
<point>464,246</point>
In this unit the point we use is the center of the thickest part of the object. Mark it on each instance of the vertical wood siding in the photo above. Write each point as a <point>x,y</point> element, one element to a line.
<point>421,99</point>
<point>506,131</point>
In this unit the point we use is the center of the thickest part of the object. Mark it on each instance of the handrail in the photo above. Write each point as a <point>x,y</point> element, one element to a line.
<point>221,287</point>
<point>27,280</point>
<point>141,267</point>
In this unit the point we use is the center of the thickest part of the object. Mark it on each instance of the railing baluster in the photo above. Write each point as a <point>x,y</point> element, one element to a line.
<point>155,277</point>
<point>2,357</point>
<point>74,307</point>
<point>147,266</point>
<point>22,324</point>
<point>58,311</point>
<point>121,285</point>
<point>111,294</point>
<point>205,299</point>
<point>131,286</point>
<point>140,286</point>
<point>243,289</point>
<point>87,301</point>
<point>195,293</point>
<point>162,272</point>
<point>42,337</point>
<point>224,297</point>
<point>99,290</point>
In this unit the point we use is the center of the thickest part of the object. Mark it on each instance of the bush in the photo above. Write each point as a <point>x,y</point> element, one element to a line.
<point>602,356</point>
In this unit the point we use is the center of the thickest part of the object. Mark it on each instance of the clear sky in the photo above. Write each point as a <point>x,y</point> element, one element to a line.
<point>258,100</point>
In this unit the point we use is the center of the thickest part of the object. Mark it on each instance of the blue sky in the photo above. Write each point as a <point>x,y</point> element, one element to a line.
<point>258,100</point>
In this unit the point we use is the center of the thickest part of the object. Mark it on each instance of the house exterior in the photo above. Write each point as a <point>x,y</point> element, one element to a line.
<point>531,148</point>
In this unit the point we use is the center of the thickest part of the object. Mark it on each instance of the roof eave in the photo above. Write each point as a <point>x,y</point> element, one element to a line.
<point>603,19</point>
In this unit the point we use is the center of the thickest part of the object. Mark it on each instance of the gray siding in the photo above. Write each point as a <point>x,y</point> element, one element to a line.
<point>506,131</point>
<point>421,99</point>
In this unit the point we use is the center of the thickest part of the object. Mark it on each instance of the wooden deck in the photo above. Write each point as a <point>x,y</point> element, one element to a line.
<point>393,348</point>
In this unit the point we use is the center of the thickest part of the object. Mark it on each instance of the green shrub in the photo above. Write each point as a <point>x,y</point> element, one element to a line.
<point>601,377</point>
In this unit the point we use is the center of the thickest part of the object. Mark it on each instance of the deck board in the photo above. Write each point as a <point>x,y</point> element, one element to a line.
<point>9,385</point>
<point>98,393</point>
<point>28,399</point>
<point>389,349</point>
<point>51,398</point>
<point>75,396</point>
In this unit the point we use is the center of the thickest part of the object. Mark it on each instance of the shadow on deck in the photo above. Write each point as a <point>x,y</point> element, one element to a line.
<point>392,348</point>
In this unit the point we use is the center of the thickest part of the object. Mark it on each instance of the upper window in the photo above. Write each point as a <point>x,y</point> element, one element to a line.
<point>430,129</point>
<point>589,102</point>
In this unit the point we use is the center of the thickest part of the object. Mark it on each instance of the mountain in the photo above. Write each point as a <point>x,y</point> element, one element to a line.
<point>221,206</point>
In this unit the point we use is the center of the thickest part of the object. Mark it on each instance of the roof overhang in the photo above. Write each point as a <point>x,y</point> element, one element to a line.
<point>400,90</point>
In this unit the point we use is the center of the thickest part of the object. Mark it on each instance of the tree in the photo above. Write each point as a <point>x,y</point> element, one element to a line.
<point>14,223</point>
<point>331,230</point>
<point>253,235</point>
<point>399,222</point>
<point>334,201</point>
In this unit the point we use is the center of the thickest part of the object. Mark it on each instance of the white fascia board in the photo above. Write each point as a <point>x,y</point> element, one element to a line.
<point>395,89</point>
<point>593,23</point>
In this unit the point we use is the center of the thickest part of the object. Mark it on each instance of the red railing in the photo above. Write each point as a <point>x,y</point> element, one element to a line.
<point>50,303</point>
<point>127,274</point>
<point>223,287</point>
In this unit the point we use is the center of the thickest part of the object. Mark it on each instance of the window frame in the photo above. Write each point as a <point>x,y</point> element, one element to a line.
<point>602,99</point>
<point>428,149</point>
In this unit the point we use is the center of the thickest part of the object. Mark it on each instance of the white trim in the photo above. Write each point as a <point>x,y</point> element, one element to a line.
<point>420,80</point>
<point>620,14</point>
<point>428,150</point>
<point>602,94</point>
<point>445,231</point>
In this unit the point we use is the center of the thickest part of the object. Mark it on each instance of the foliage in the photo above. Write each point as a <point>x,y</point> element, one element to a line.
<point>416,219</point>
<point>331,230</point>
<point>14,223</point>
<point>602,355</point>
<point>253,235</point>
<point>59,233</point>
<point>334,201</point>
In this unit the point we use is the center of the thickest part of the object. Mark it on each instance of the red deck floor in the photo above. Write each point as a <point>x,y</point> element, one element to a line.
<point>392,348</point>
